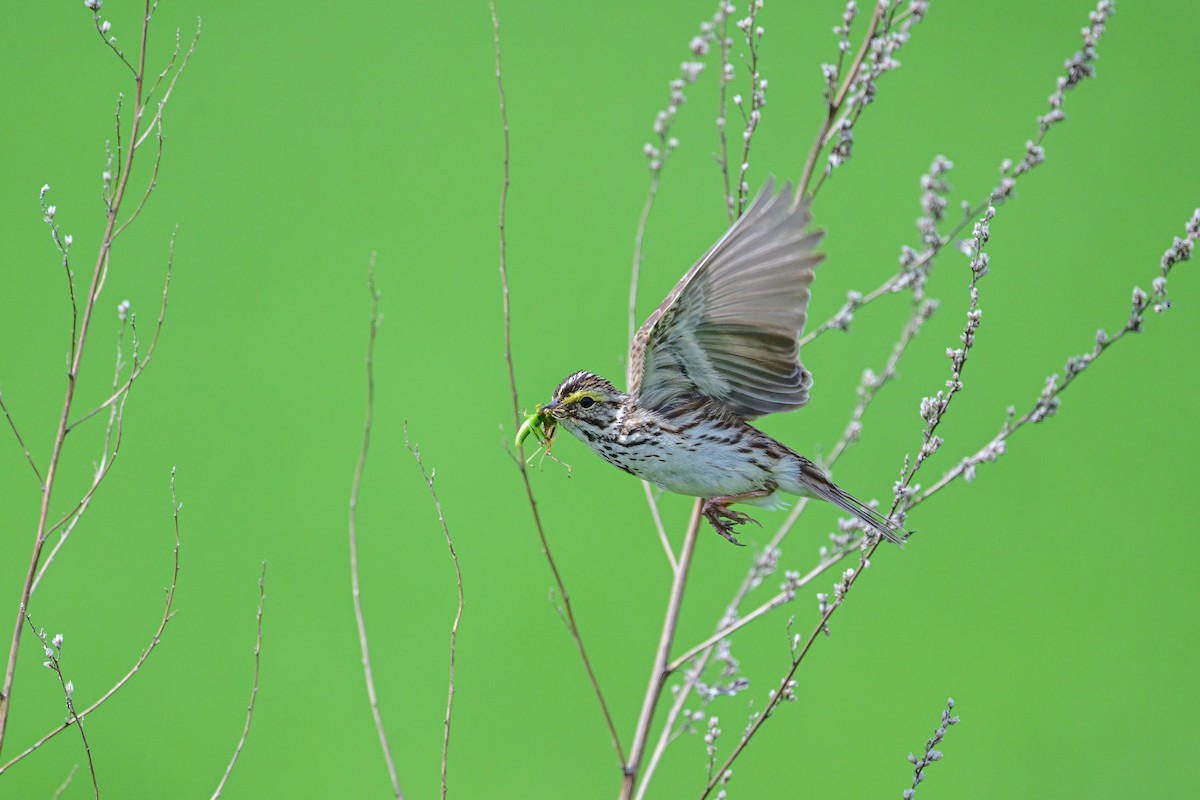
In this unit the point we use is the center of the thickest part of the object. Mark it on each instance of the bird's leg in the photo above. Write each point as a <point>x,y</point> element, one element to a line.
<point>723,518</point>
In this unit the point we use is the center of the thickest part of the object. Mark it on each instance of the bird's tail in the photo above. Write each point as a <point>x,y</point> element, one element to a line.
<point>810,481</point>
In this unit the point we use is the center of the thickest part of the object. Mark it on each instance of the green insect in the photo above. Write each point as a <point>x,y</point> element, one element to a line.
<point>542,425</point>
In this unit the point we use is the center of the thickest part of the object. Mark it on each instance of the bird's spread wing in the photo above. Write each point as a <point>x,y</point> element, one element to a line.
<point>729,328</point>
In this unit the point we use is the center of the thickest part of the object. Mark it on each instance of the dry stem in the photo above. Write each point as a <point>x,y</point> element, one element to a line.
<point>154,640</point>
<point>568,611</point>
<point>359,618</point>
<point>237,751</point>
<point>79,338</point>
<point>660,670</point>
<point>437,504</point>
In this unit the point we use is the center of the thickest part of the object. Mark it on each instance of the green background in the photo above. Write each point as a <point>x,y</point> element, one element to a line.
<point>1054,598</point>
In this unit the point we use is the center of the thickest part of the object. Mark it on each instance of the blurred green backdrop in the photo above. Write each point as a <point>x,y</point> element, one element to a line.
<point>1042,597</point>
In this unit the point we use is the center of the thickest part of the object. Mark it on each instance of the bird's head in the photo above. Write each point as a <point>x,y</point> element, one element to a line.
<point>585,404</point>
<point>584,398</point>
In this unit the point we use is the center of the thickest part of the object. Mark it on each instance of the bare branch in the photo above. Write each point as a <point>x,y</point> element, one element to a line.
<point>114,431</point>
<point>835,104</point>
<point>934,408</point>
<point>52,647</point>
<point>568,611</point>
<point>72,378</point>
<point>652,502</point>
<point>359,618</point>
<point>659,671</point>
<point>103,27</point>
<point>237,751</point>
<point>636,271</point>
<point>162,104</point>
<point>120,390</point>
<point>429,476</point>
<point>785,690</point>
<point>24,448</point>
<point>753,34</point>
<point>1046,404</point>
<point>63,243</point>
<point>168,612</point>
<point>508,359</point>
<point>62,787</point>
<point>666,144</point>
<point>931,753</point>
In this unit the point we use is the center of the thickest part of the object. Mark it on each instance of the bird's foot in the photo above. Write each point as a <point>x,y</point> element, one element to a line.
<point>723,518</point>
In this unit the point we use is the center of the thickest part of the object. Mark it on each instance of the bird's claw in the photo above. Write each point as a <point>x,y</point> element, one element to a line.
<point>723,518</point>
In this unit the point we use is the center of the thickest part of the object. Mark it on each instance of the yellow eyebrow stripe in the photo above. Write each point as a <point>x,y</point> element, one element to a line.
<point>575,397</point>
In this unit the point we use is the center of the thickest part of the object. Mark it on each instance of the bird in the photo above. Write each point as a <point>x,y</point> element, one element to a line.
<point>721,350</point>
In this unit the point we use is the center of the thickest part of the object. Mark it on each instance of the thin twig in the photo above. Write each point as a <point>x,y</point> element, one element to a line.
<point>166,70</point>
<point>154,125</point>
<point>758,87</point>
<point>109,450</point>
<point>931,754</point>
<point>781,598</point>
<point>933,409</point>
<point>724,45</point>
<point>151,182</point>
<point>139,365</point>
<point>568,611</point>
<point>658,525</point>
<point>53,651</point>
<point>69,394</point>
<point>359,618</point>
<point>162,104</point>
<point>114,432</point>
<point>62,787</point>
<point>835,106</point>
<point>785,684</point>
<point>508,359</point>
<point>1078,68</point>
<point>1047,402</point>
<point>659,671</point>
<point>154,640</point>
<point>636,272</point>
<point>890,30</point>
<point>429,476</point>
<point>111,41</point>
<point>665,737</point>
<point>237,751</point>
<point>24,448</point>
<point>112,181</point>
<point>63,243</point>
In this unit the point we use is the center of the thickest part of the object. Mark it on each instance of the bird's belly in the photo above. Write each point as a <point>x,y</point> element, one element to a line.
<point>700,469</point>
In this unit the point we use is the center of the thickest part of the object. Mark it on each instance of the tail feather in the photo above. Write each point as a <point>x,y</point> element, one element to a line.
<point>815,483</point>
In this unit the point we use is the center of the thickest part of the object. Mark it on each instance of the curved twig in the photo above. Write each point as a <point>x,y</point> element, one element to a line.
<point>359,618</point>
<point>568,611</point>
<point>237,751</point>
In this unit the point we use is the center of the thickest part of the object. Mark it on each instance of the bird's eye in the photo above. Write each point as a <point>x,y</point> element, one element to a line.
<point>586,402</point>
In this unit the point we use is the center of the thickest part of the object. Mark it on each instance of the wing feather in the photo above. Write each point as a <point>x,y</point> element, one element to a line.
<point>729,328</point>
